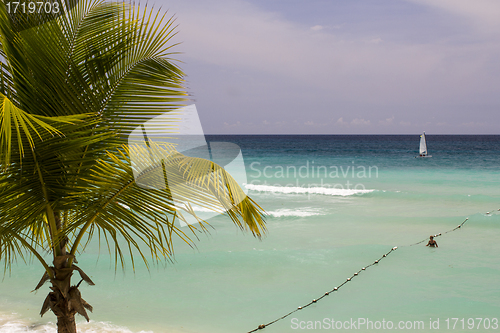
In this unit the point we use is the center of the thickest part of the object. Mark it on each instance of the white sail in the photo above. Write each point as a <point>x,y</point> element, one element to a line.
<point>423,145</point>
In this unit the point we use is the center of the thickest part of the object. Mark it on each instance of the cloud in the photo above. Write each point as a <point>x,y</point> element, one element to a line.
<point>362,122</point>
<point>354,122</point>
<point>341,122</point>
<point>375,40</point>
<point>483,14</point>
<point>237,124</point>
<point>287,66</point>
<point>317,28</point>
<point>387,121</point>
<point>234,33</point>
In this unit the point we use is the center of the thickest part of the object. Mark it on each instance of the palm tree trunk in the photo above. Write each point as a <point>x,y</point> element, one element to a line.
<point>62,302</point>
<point>60,305</point>
<point>65,300</point>
<point>66,324</point>
<point>65,315</point>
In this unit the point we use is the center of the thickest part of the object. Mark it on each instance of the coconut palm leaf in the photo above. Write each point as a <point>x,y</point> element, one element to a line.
<point>72,88</point>
<point>115,204</point>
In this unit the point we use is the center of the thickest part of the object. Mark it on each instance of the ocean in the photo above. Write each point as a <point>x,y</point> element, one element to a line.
<point>335,204</point>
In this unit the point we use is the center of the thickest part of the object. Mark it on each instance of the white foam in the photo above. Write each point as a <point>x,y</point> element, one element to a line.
<point>13,323</point>
<point>306,190</point>
<point>301,212</point>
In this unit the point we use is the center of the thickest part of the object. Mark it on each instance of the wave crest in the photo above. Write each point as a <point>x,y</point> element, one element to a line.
<point>13,323</point>
<point>301,212</point>
<point>306,190</point>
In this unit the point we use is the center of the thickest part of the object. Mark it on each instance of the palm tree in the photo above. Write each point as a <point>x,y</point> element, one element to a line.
<point>72,87</point>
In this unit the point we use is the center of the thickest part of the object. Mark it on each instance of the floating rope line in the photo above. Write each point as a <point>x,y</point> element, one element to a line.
<point>349,279</point>
<point>326,293</point>
<point>440,234</point>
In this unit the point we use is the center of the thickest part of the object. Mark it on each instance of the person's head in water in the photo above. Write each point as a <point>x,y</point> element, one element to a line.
<point>432,242</point>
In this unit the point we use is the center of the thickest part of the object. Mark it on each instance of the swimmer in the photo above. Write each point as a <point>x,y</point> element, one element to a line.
<point>432,242</point>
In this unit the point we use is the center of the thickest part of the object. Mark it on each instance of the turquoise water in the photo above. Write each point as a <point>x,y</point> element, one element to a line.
<point>321,229</point>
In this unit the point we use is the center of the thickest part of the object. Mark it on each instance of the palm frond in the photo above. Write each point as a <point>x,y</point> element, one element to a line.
<point>71,90</point>
<point>117,204</point>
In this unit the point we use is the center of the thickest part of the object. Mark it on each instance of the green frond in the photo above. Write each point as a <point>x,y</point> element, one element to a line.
<point>117,204</point>
<point>71,90</point>
<point>14,244</point>
<point>20,128</point>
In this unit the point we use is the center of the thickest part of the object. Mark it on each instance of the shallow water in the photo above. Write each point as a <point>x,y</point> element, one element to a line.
<point>318,236</point>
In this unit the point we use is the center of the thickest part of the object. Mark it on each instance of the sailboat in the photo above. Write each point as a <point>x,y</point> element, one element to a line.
<point>423,147</point>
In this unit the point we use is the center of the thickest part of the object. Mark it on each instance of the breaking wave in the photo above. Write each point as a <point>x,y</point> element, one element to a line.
<point>306,190</point>
<point>13,323</point>
<point>301,212</point>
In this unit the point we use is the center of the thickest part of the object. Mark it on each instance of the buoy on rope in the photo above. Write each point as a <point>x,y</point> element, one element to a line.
<point>385,255</point>
<point>335,289</point>
<point>459,226</point>
<point>363,268</point>
<point>261,326</point>
<point>395,248</point>
<point>327,293</point>
<point>314,301</point>
<point>356,273</point>
<point>348,279</point>
<point>376,261</point>
<point>487,212</point>
<point>299,308</point>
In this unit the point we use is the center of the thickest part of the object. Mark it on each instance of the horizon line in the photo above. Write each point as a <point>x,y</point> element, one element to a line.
<point>353,134</point>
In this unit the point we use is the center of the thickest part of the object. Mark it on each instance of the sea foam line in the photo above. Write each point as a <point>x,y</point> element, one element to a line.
<point>306,190</point>
<point>301,212</point>
<point>14,323</point>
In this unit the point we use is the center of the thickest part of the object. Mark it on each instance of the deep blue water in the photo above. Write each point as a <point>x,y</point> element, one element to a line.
<point>449,151</point>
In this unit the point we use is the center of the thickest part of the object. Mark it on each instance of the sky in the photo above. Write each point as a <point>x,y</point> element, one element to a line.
<point>341,66</point>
